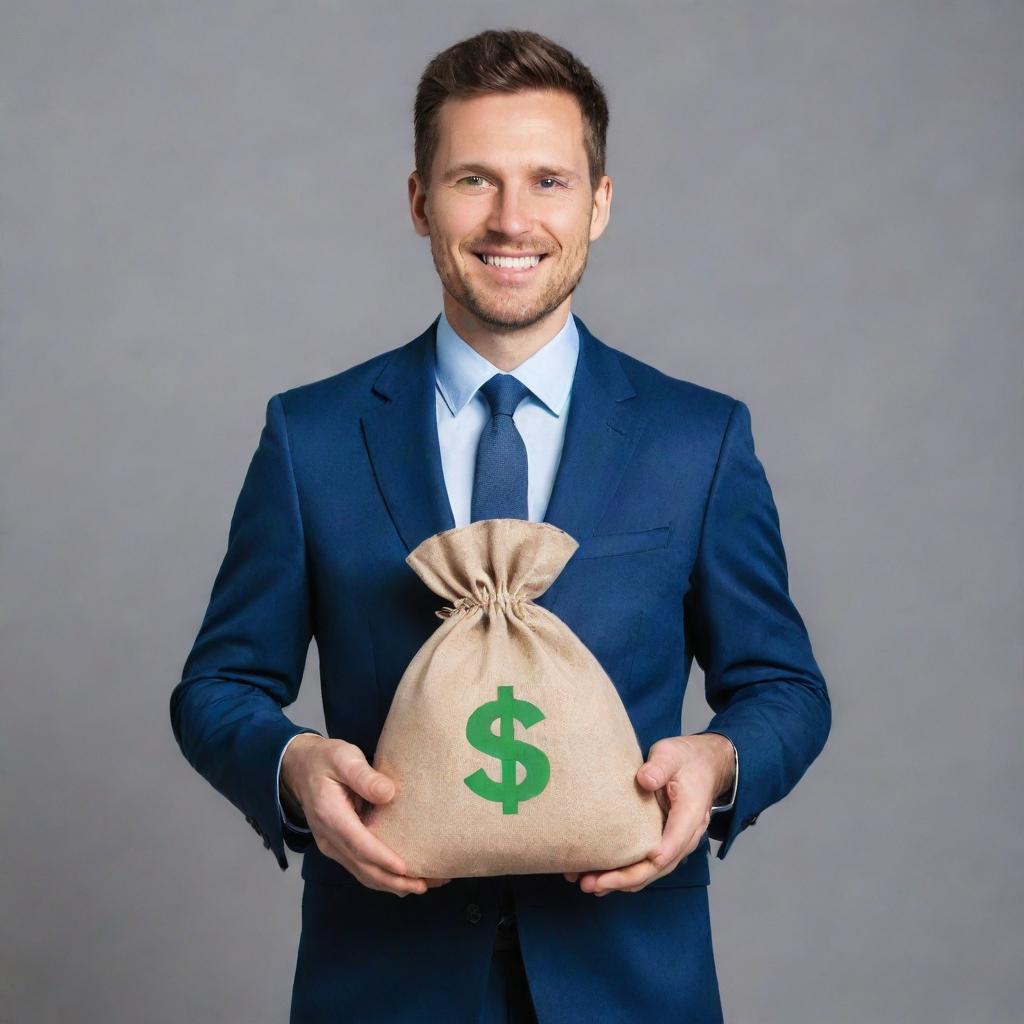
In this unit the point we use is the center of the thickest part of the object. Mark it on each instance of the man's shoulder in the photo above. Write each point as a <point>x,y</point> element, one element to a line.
<point>670,395</point>
<point>349,391</point>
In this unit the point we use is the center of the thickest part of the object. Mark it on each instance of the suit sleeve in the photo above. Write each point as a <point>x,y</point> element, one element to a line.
<point>247,661</point>
<point>761,679</point>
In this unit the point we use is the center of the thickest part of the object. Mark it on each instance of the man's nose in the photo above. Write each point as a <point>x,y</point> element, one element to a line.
<point>510,215</point>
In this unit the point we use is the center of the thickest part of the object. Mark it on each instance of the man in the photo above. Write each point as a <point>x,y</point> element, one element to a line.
<point>505,404</point>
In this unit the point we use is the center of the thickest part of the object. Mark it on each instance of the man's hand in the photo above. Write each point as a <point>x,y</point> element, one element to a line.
<point>331,781</point>
<point>687,773</point>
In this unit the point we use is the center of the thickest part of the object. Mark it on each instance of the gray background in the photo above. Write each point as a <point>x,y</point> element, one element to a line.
<point>818,209</point>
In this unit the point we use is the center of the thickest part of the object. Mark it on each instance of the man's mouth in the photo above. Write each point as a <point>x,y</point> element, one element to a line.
<point>514,264</point>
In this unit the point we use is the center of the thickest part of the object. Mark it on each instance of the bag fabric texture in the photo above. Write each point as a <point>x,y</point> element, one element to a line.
<point>509,746</point>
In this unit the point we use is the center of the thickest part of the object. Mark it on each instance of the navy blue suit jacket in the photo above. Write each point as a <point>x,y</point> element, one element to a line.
<point>680,556</point>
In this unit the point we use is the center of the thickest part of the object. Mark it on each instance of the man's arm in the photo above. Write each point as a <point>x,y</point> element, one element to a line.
<point>250,653</point>
<point>761,678</point>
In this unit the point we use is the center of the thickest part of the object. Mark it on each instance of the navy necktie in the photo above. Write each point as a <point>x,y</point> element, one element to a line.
<point>500,480</point>
<point>500,492</point>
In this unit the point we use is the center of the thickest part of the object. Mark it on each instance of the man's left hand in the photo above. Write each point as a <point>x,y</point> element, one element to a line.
<point>687,773</point>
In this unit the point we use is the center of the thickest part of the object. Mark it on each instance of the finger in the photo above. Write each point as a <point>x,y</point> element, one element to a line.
<point>347,829</point>
<point>588,878</point>
<point>571,876</point>
<point>621,878</point>
<point>668,869</point>
<point>663,761</point>
<point>355,771</point>
<point>663,802</point>
<point>590,881</point>
<point>677,834</point>
<point>375,877</point>
<point>698,833</point>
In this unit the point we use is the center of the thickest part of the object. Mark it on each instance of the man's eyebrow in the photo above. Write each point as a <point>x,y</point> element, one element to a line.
<point>474,168</point>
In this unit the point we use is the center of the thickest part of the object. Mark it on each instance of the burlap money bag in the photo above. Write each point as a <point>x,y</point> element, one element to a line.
<point>509,746</point>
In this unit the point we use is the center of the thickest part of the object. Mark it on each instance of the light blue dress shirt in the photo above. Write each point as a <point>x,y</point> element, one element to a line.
<point>462,411</point>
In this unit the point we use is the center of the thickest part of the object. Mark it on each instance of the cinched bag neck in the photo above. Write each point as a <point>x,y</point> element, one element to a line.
<point>467,602</point>
<point>476,564</point>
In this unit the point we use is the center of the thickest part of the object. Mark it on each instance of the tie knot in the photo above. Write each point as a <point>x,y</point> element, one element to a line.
<point>504,393</point>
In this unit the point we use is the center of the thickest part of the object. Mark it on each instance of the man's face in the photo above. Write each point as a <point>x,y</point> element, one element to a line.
<point>510,176</point>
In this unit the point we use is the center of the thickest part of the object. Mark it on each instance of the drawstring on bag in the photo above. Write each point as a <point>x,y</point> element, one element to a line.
<point>463,604</point>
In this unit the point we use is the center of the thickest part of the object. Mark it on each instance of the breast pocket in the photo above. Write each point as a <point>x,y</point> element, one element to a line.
<point>601,545</point>
<point>605,588</point>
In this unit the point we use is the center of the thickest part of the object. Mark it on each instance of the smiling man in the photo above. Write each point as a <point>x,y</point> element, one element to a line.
<point>506,405</point>
<point>507,199</point>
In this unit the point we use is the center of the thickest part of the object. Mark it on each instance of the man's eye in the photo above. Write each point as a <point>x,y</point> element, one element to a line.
<point>474,180</point>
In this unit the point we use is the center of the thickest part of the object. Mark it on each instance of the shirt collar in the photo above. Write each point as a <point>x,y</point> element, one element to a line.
<point>548,373</point>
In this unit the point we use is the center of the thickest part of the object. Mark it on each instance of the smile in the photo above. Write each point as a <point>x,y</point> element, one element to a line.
<point>510,262</point>
<point>510,270</point>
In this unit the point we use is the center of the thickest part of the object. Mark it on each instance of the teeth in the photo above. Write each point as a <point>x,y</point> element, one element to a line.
<point>513,262</point>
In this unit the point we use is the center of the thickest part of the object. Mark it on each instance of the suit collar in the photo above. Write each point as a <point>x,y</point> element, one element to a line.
<point>402,444</point>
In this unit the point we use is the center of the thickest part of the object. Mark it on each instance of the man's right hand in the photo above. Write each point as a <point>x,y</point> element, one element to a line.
<point>331,781</point>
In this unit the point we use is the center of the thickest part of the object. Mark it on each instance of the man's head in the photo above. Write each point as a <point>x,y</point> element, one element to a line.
<point>510,133</point>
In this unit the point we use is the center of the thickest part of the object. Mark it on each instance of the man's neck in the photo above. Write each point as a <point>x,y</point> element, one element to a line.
<point>505,349</point>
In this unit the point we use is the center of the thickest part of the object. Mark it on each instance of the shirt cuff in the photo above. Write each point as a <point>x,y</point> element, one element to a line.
<point>715,808</point>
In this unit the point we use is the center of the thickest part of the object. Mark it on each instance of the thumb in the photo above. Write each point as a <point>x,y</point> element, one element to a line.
<point>381,788</point>
<point>369,783</point>
<point>660,766</point>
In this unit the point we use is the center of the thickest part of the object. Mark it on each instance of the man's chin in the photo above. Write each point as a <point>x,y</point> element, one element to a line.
<point>508,316</point>
<point>507,320</point>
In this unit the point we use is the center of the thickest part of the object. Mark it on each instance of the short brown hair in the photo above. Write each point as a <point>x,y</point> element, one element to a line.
<point>507,60</point>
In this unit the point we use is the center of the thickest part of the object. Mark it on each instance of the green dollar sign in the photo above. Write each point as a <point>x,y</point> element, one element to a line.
<point>507,710</point>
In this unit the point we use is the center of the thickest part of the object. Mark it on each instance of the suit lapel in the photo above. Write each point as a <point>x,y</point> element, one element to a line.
<point>402,443</point>
<point>599,439</point>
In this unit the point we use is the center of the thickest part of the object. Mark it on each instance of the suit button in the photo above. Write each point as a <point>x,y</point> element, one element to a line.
<point>266,843</point>
<point>753,820</point>
<point>473,914</point>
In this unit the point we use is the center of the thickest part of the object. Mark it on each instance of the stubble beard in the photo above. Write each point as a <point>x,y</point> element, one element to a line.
<point>510,308</point>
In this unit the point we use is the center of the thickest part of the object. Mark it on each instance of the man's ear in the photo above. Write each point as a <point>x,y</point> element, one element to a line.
<point>602,207</point>
<point>418,205</point>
